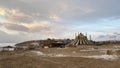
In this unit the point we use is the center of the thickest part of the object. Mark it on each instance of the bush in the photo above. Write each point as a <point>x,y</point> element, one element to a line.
<point>109,52</point>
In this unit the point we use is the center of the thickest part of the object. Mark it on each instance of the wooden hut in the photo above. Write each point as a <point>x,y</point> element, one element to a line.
<point>7,48</point>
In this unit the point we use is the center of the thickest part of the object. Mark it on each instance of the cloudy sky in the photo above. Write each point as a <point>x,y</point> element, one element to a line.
<point>22,20</point>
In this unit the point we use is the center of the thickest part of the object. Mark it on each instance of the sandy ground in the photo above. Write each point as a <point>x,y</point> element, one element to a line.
<point>80,57</point>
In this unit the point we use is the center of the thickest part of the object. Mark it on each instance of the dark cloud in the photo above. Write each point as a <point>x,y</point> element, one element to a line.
<point>43,28</point>
<point>66,9</point>
<point>7,38</point>
<point>117,33</point>
<point>16,27</point>
<point>112,36</point>
<point>61,15</point>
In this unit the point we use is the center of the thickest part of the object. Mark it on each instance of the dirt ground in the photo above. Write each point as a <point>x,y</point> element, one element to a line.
<point>72,59</point>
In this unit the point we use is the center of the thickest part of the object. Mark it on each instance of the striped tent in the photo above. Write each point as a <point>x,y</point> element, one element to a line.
<point>80,39</point>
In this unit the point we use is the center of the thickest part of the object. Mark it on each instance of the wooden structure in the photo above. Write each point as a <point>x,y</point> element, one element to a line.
<point>26,46</point>
<point>58,44</point>
<point>8,48</point>
<point>81,39</point>
<point>54,44</point>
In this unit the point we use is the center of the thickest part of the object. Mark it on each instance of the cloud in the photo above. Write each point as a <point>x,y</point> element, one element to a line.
<point>25,27</point>
<point>2,12</point>
<point>44,28</point>
<point>17,27</point>
<point>109,36</point>
<point>33,31</point>
<point>66,9</point>
<point>57,18</point>
<point>15,16</point>
<point>7,38</point>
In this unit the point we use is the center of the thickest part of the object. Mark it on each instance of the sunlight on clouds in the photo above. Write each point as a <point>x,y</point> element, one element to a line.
<point>12,32</point>
<point>54,17</point>
<point>15,12</point>
<point>60,18</point>
<point>2,12</point>
<point>40,24</point>
<point>15,15</point>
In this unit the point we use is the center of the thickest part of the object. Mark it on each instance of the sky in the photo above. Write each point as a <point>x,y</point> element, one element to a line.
<point>22,20</point>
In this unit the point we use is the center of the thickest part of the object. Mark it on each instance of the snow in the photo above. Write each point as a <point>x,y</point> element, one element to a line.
<point>105,57</point>
<point>48,55</point>
<point>60,55</point>
<point>117,47</point>
<point>92,49</point>
<point>57,55</point>
<point>102,50</point>
<point>38,53</point>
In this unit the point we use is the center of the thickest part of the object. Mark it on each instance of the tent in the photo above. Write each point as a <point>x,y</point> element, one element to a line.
<point>81,39</point>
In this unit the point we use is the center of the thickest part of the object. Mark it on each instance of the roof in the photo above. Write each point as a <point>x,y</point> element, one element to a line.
<point>8,47</point>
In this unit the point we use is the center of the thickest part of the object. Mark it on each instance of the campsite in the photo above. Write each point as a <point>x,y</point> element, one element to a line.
<point>78,53</point>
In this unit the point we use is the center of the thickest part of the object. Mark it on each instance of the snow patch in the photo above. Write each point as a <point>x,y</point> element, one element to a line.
<point>48,55</point>
<point>38,52</point>
<point>105,57</point>
<point>117,47</point>
<point>58,55</point>
<point>99,50</point>
<point>95,50</point>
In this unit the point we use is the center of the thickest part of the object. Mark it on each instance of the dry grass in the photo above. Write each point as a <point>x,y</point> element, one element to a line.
<point>26,59</point>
